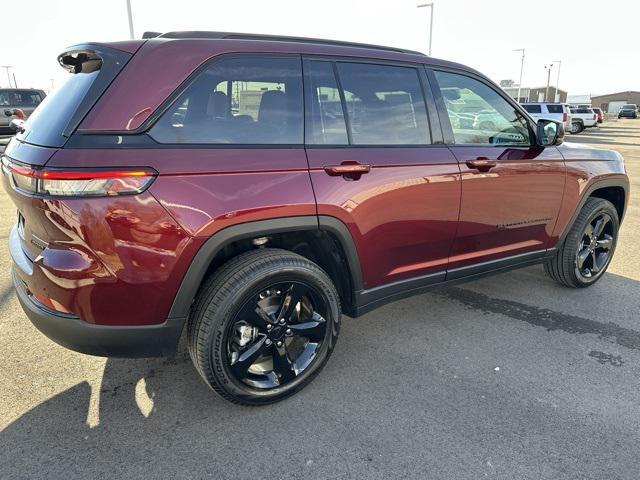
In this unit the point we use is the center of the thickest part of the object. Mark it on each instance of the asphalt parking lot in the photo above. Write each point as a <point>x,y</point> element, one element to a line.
<point>510,377</point>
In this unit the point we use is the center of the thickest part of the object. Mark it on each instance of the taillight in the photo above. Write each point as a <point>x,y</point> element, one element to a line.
<point>565,117</point>
<point>595,116</point>
<point>78,182</point>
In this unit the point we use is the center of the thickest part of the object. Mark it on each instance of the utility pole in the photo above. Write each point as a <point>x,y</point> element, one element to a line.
<point>130,19</point>
<point>6,68</point>
<point>521,69</point>
<point>546,92</point>
<point>559,62</point>
<point>15,82</point>
<point>430,5</point>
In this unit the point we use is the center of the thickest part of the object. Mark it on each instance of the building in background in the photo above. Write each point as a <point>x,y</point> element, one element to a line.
<point>579,99</point>
<point>536,94</point>
<point>612,102</point>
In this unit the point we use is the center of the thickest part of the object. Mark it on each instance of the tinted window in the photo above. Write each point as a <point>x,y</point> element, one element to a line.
<point>54,113</point>
<point>238,100</point>
<point>326,125</point>
<point>385,104</point>
<point>20,98</point>
<point>479,114</point>
<point>533,108</point>
<point>554,108</point>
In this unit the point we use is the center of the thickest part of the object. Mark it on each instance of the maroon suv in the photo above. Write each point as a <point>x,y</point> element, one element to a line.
<point>254,188</point>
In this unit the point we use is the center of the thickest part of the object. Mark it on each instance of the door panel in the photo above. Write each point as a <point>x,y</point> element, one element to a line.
<point>510,209</point>
<point>511,189</point>
<point>402,215</point>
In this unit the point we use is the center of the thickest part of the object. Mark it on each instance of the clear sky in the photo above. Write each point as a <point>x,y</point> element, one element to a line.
<point>596,40</point>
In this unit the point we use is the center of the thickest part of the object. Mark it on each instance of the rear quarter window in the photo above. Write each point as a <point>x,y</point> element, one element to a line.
<point>554,108</point>
<point>533,108</point>
<point>57,116</point>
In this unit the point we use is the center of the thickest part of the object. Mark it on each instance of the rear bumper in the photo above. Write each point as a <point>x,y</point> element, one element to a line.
<point>73,333</point>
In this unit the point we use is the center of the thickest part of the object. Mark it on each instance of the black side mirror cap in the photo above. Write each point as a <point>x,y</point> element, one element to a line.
<point>549,132</point>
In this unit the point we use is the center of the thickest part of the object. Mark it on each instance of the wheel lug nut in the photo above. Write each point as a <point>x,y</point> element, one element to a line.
<point>288,331</point>
<point>282,321</point>
<point>269,327</point>
<point>279,344</point>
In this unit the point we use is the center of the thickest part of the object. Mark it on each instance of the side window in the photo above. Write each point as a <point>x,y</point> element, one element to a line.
<point>479,114</point>
<point>239,100</point>
<point>326,118</point>
<point>533,108</point>
<point>385,104</point>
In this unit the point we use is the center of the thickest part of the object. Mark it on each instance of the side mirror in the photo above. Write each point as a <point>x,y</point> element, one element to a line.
<point>549,132</point>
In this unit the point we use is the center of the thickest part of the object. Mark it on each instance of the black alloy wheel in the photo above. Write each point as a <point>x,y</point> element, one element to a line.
<point>276,335</point>
<point>594,249</point>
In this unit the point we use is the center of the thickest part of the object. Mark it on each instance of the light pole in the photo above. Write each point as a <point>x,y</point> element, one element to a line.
<point>6,68</point>
<point>521,69</point>
<point>546,92</point>
<point>430,5</point>
<point>130,19</point>
<point>559,62</point>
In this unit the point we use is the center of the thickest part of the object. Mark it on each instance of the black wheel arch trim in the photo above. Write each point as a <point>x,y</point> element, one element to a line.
<point>214,244</point>
<point>596,185</point>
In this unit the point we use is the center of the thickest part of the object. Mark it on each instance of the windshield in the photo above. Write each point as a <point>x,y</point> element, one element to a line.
<point>629,107</point>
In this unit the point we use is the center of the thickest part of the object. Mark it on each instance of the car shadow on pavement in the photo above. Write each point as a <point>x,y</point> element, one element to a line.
<point>157,419</point>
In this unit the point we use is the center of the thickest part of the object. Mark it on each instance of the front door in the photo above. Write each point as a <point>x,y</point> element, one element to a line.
<point>374,166</point>
<point>511,189</point>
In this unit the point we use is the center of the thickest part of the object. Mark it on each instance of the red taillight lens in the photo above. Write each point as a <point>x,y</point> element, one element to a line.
<point>595,116</point>
<point>565,117</point>
<point>78,182</point>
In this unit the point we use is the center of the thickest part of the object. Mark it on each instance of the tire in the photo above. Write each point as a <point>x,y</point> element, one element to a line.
<point>571,265</point>
<point>244,301</point>
<point>576,127</point>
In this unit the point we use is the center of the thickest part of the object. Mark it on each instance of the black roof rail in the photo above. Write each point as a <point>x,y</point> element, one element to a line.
<point>272,38</point>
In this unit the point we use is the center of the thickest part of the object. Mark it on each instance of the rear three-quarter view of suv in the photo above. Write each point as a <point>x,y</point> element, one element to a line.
<point>246,191</point>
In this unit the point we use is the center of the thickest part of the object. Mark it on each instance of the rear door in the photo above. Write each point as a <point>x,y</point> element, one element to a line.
<point>511,189</point>
<point>378,164</point>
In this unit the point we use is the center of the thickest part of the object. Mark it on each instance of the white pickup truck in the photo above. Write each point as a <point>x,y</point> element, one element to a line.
<point>583,117</point>
<point>550,111</point>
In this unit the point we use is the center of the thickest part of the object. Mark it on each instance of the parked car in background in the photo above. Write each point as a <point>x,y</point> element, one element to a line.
<point>25,99</point>
<point>247,190</point>
<point>600,114</point>
<point>557,112</point>
<point>629,110</point>
<point>581,118</point>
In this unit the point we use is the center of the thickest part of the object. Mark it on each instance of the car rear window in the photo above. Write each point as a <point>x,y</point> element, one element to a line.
<point>554,108</point>
<point>91,72</point>
<point>533,108</point>
<point>20,98</point>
